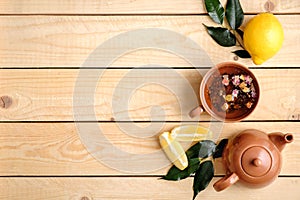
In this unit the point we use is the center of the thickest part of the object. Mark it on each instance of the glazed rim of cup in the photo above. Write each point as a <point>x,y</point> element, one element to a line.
<point>206,78</point>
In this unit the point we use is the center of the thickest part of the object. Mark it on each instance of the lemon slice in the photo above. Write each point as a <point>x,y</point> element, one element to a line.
<point>191,133</point>
<point>173,150</point>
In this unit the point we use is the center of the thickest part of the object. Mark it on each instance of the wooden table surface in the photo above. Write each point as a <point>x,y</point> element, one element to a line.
<point>46,135</point>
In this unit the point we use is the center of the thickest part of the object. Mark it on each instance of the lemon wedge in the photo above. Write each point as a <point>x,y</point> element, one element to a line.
<point>191,133</point>
<point>173,150</point>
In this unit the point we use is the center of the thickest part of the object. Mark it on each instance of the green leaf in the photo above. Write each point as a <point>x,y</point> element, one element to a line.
<point>202,149</point>
<point>203,176</point>
<point>193,151</point>
<point>207,148</point>
<point>222,36</point>
<point>215,10</point>
<point>175,174</point>
<point>234,13</point>
<point>240,32</point>
<point>242,53</point>
<point>220,148</point>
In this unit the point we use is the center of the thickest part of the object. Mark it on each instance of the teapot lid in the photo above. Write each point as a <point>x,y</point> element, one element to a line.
<point>256,161</point>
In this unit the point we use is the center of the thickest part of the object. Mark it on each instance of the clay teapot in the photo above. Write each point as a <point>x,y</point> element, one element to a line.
<point>253,157</point>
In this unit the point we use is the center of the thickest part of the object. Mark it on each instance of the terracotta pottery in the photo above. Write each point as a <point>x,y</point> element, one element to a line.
<point>208,80</point>
<point>253,157</point>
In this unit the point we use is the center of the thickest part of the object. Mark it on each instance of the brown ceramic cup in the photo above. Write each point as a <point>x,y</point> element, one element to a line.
<point>209,81</point>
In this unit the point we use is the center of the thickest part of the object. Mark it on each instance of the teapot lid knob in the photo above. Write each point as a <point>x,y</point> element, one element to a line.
<point>256,161</point>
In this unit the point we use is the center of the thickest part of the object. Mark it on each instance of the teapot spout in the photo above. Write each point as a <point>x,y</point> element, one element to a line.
<point>280,139</point>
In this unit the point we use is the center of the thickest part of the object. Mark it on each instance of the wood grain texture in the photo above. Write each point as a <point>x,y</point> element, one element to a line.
<point>38,34</point>
<point>136,188</point>
<point>132,95</point>
<point>136,7</point>
<point>56,149</point>
<point>67,41</point>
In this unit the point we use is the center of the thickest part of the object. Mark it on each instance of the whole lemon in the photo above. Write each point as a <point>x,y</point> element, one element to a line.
<point>263,37</point>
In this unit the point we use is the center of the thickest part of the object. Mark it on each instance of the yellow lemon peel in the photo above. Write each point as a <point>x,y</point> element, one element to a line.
<point>263,37</point>
<point>173,150</point>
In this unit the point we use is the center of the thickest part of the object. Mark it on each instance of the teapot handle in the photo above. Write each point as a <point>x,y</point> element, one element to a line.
<point>225,182</point>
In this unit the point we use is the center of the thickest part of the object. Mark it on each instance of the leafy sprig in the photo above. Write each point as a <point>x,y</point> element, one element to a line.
<point>200,158</point>
<point>230,19</point>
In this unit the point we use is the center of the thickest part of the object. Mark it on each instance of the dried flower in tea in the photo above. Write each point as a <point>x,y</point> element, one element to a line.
<point>232,92</point>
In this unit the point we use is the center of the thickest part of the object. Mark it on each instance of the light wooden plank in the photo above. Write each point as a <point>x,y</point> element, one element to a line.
<point>136,7</point>
<point>137,188</point>
<point>67,41</point>
<point>56,149</point>
<point>131,95</point>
